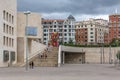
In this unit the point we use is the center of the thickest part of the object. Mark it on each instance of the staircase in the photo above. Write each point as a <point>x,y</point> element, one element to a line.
<point>47,59</point>
<point>36,50</point>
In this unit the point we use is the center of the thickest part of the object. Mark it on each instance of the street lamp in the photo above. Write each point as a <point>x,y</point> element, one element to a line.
<point>26,13</point>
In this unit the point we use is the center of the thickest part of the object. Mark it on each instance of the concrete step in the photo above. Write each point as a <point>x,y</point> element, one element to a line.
<point>46,65</point>
<point>50,61</point>
<point>46,60</point>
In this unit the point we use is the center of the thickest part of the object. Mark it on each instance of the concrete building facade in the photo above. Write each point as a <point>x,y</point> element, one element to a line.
<point>92,31</point>
<point>87,55</point>
<point>33,32</point>
<point>65,28</point>
<point>8,27</point>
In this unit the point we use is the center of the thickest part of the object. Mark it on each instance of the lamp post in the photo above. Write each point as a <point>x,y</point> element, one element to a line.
<point>26,13</point>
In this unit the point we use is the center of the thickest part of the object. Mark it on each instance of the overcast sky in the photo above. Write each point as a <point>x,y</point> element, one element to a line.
<point>80,9</point>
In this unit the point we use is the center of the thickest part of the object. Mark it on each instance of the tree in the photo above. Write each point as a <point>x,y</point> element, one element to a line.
<point>115,42</point>
<point>70,41</point>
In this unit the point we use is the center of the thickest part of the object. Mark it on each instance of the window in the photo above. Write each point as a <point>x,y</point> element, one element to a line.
<point>118,28</point>
<point>60,30</point>
<point>91,28</point>
<point>44,34</point>
<point>91,40</point>
<point>65,38</point>
<point>65,26</point>
<point>69,26</point>
<point>12,30</point>
<point>12,56</point>
<point>4,14</point>
<point>85,40</point>
<point>59,26</point>
<point>30,31</point>
<point>54,26</point>
<point>45,39</point>
<point>85,32</point>
<point>65,30</point>
<point>81,25</point>
<point>60,23</point>
<point>69,34</point>
<point>3,40</point>
<point>7,41</point>
<point>50,22</point>
<point>7,29</point>
<point>55,30</point>
<point>65,34</point>
<point>4,27</point>
<point>7,16</point>
<point>91,32</point>
<point>45,30</point>
<point>12,19</point>
<point>91,36</point>
<point>12,42</point>
<point>60,34</point>
<point>69,30</point>
<point>5,56</point>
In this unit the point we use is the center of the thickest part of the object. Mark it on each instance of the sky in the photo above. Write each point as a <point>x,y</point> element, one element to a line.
<point>80,9</point>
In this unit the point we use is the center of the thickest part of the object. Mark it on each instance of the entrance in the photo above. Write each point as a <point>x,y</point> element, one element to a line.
<point>74,58</point>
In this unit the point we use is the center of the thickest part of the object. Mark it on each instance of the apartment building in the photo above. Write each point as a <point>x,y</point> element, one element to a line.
<point>8,54</point>
<point>114,26</point>
<point>92,31</point>
<point>64,27</point>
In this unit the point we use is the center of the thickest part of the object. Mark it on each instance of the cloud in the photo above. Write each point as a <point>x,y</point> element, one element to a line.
<point>74,7</point>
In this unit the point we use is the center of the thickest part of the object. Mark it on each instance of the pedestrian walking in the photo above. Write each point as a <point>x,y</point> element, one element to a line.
<point>45,56</point>
<point>32,64</point>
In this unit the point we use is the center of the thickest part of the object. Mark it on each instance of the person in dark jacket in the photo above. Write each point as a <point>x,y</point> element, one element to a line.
<point>32,64</point>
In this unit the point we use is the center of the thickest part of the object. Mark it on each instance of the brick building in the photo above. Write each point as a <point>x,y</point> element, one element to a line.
<point>92,31</point>
<point>114,26</point>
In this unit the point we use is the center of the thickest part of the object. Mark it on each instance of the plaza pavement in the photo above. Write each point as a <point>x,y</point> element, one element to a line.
<point>66,72</point>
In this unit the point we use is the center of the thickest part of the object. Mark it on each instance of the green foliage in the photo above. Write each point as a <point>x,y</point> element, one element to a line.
<point>118,55</point>
<point>60,43</point>
<point>78,45</point>
<point>115,43</point>
<point>70,41</point>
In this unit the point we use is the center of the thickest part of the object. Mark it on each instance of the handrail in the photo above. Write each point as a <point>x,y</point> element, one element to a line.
<point>33,54</point>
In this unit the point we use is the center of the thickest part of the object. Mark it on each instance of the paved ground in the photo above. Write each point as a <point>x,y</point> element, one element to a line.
<point>66,72</point>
